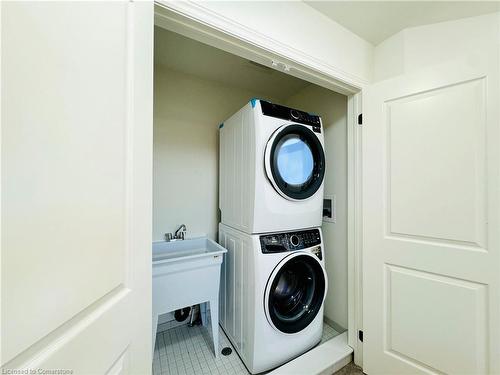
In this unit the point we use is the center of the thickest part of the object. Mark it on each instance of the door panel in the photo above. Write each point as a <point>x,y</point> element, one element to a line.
<point>430,204</point>
<point>450,335</point>
<point>437,140</point>
<point>76,149</point>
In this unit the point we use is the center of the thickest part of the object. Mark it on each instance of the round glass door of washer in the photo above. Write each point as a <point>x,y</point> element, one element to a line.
<point>295,293</point>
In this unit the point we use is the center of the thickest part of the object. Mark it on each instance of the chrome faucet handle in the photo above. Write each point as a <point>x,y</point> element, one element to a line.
<point>168,237</point>
<point>180,232</point>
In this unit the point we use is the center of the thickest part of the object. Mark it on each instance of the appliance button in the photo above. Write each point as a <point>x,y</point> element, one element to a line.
<point>294,240</point>
<point>295,115</point>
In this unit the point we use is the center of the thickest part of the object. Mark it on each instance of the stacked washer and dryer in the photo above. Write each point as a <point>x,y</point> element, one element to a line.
<point>273,279</point>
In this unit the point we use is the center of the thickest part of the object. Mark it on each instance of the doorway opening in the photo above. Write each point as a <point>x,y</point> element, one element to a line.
<point>197,87</point>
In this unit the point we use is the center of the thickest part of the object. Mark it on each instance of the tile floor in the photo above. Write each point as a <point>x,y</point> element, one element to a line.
<point>187,350</point>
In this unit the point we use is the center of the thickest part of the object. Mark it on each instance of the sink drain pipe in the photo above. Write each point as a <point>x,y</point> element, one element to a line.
<point>182,314</point>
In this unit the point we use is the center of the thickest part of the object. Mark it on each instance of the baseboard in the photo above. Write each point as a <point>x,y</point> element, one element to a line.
<point>337,327</point>
<point>324,359</point>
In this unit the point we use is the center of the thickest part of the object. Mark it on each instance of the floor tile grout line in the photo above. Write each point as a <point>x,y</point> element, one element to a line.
<point>185,350</point>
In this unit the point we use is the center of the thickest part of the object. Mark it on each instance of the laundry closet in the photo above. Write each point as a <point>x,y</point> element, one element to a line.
<point>417,252</point>
<point>196,88</point>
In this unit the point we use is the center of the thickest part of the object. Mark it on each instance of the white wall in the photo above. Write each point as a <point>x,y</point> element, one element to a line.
<point>333,109</point>
<point>187,114</point>
<point>418,47</point>
<point>295,25</point>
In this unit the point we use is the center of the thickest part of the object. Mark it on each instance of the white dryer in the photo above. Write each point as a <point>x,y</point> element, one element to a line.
<point>271,169</point>
<point>272,291</point>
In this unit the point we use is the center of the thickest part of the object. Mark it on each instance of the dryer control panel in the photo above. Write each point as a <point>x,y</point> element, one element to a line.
<point>289,241</point>
<point>285,113</point>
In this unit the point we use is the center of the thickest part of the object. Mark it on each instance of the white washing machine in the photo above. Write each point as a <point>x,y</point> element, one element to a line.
<point>272,291</point>
<point>271,169</point>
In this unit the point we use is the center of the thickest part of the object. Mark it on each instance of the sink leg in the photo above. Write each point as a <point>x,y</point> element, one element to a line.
<point>203,313</point>
<point>214,316</point>
<point>155,327</point>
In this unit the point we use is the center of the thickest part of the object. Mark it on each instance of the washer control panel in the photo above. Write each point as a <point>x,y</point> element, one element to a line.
<point>286,113</point>
<point>289,241</point>
<point>317,251</point>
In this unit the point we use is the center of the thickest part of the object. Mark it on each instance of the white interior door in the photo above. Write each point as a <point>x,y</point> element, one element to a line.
<point>76,131</point>
<point>431,221</point>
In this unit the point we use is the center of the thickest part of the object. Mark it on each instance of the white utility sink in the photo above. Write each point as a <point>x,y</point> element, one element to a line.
<point>186,273</point>
<point>181,250</point>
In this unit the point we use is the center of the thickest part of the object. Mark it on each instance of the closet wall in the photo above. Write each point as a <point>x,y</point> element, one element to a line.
<point>196,88</point>
<point>333,110</point>
<point>187,114</point>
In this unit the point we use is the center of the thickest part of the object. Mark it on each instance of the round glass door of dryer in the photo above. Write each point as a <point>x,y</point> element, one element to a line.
<point>295,293</point>
<point>295,162</point>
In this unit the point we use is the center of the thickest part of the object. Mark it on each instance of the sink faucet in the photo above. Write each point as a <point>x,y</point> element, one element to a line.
<point>179,234</point>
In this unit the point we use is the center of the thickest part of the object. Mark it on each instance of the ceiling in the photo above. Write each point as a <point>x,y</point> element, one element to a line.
<point>188,56</point>
<point>375,21</point>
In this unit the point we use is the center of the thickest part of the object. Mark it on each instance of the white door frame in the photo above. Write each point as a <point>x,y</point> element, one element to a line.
<point>197,22</point>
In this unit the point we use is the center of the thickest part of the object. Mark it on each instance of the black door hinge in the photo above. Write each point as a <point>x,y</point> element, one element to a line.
<point>360,119</point>
<point>360,336</point>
